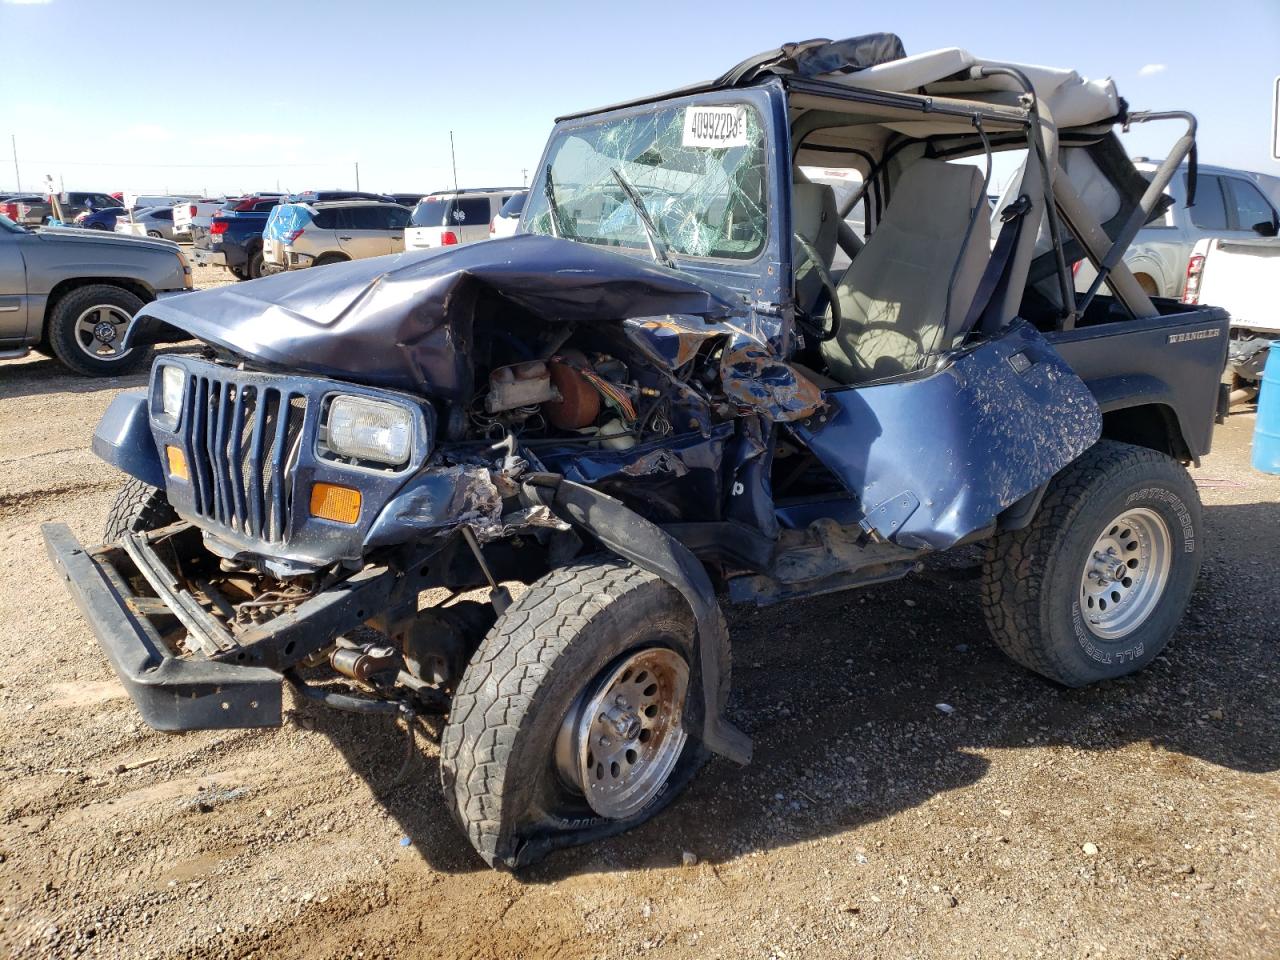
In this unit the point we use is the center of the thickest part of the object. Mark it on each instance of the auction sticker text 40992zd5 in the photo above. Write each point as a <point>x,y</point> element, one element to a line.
<point>715,127</point>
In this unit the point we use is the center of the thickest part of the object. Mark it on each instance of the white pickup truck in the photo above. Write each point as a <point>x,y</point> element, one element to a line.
<point>193,216</point>
<point>1244,277</point>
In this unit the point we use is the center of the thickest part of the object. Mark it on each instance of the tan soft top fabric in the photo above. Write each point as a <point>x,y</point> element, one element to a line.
<point>1069,98</point>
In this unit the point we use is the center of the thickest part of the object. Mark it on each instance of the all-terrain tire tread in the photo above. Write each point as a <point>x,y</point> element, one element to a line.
<point>1014,564</point>
<point>506,674</point>
<point>138,506</point>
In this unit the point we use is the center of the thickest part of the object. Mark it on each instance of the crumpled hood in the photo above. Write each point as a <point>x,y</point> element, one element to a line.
<point>403,321</point>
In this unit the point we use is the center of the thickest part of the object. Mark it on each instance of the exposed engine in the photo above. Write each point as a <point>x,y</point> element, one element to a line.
<point>579,394</point>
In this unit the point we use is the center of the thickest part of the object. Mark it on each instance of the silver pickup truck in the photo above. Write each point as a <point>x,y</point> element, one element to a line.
<point>71,293</point>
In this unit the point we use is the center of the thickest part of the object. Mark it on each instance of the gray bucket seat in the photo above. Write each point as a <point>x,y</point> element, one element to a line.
<point>899,304</point>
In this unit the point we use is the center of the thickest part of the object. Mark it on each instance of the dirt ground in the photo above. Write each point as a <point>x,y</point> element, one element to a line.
<point>1136,819</point>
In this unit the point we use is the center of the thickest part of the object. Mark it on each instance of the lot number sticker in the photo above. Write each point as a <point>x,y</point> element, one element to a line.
<point>715,127</point>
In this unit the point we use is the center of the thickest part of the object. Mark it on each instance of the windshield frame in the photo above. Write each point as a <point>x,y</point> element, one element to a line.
<point>768,100</point>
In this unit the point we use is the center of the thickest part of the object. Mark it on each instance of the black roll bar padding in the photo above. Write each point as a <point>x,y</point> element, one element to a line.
<point>1035,138</point>
<point>651,548</point>
<point>1155,189</point>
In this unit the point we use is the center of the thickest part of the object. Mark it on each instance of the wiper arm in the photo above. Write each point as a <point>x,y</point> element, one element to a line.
<point>657,247</point>
<point>553,208</point>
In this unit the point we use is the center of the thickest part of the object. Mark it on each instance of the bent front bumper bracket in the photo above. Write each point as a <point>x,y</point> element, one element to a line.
<point>171,693</point>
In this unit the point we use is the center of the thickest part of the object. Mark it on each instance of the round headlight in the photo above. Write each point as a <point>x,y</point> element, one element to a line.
<point>172,380</point>
<point>370,430</point>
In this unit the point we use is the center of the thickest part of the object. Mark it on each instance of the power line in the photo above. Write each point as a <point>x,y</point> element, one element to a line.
<point>193,166</point>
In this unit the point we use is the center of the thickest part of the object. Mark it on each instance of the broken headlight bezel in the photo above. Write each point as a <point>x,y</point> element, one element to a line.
<point>168,391</point>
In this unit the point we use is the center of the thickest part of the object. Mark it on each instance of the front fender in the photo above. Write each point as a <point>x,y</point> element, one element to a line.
<point>123,439</point>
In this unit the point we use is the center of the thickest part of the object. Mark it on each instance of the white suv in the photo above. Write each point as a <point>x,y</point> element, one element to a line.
<point>455,217</point>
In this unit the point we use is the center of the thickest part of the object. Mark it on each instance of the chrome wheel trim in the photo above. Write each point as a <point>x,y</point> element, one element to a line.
<point>1125,574</point>
<point>620,741</point>
<point>99,329</point>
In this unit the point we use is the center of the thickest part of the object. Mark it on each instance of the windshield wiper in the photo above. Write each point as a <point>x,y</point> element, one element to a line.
<point>553,208</point>
<point>661,253</point>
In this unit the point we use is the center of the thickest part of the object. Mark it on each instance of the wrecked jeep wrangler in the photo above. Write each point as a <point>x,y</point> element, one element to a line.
<point>687,378</point>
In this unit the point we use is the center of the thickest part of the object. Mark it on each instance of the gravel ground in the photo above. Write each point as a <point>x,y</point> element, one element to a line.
<point>1139,818</point>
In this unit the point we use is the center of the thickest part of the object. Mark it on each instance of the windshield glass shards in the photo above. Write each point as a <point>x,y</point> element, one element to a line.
<point>699,171</point>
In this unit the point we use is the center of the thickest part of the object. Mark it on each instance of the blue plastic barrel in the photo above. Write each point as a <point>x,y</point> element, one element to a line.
<point>1266,432</point>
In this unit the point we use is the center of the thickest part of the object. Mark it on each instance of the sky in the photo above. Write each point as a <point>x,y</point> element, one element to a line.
<point>150,96</point>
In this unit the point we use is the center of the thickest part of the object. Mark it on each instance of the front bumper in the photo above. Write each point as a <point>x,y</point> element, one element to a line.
<point>171,693</point>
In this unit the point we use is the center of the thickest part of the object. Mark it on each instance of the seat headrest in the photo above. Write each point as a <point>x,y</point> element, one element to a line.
<point>812,206</point>
<point>928,189</point>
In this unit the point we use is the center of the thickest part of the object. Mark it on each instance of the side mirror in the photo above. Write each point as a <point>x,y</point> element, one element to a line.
<point>1266,228</point>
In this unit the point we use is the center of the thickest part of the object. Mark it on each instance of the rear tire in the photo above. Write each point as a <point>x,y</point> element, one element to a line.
<point>155,234</point>
<point>327,258</point>
<point>254,269</point>
<point>75,318</point>
<point>503,753</point>
<point>1094,587</point>
<point>138,506</point>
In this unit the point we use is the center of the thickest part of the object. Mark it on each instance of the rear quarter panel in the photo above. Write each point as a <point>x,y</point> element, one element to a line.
<point>1173,361</point>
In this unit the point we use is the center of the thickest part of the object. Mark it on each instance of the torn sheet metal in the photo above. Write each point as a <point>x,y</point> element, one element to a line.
<point>404,322</point>
<point>439,498</point>
<point>935,459</point>
<point>671,341</point>
<point>446,498</point>
<point>754,377</point>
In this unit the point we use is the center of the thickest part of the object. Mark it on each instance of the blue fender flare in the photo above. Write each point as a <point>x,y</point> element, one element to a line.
<point>123,439</point>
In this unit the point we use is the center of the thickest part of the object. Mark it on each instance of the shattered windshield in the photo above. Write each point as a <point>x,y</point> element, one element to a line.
<point>699,171</point>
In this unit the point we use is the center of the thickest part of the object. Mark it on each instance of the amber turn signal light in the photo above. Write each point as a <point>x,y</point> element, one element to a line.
<point>331,502</point>
<point>177,463</point>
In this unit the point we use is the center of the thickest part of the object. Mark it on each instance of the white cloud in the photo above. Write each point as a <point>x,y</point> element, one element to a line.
<point>1151,69</point>
<point>26,3</point>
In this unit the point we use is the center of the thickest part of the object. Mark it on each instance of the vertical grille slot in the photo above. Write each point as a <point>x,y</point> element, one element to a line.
<point>242,437</point>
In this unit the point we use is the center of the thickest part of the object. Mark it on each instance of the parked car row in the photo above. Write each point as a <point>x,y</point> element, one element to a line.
<point>264,233</point>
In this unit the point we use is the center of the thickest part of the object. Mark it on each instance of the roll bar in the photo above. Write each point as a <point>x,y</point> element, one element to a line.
<point>1184,147</point>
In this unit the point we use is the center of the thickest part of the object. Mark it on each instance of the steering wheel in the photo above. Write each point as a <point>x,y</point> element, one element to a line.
<point>821,332</point>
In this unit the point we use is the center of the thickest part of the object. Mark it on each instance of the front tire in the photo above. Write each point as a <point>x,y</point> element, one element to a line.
<point>138,507</point>
<point>85,327</point>
<point>581,644</point>
<point>1094,587</point>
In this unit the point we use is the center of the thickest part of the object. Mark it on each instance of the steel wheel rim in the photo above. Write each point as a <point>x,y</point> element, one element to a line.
<point>98,331</point>
<point>620,741</point>
<point>1125,574</point>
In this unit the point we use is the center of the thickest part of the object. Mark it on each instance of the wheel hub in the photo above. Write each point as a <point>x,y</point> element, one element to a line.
<point>622,738</point>
<point>98,330</point>
<point>1126,573</point>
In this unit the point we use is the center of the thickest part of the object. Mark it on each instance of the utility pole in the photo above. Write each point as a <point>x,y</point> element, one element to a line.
<point>453,156</point>
<point>13,138</point>
<point>357,174</point>
<point>524,176</point>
